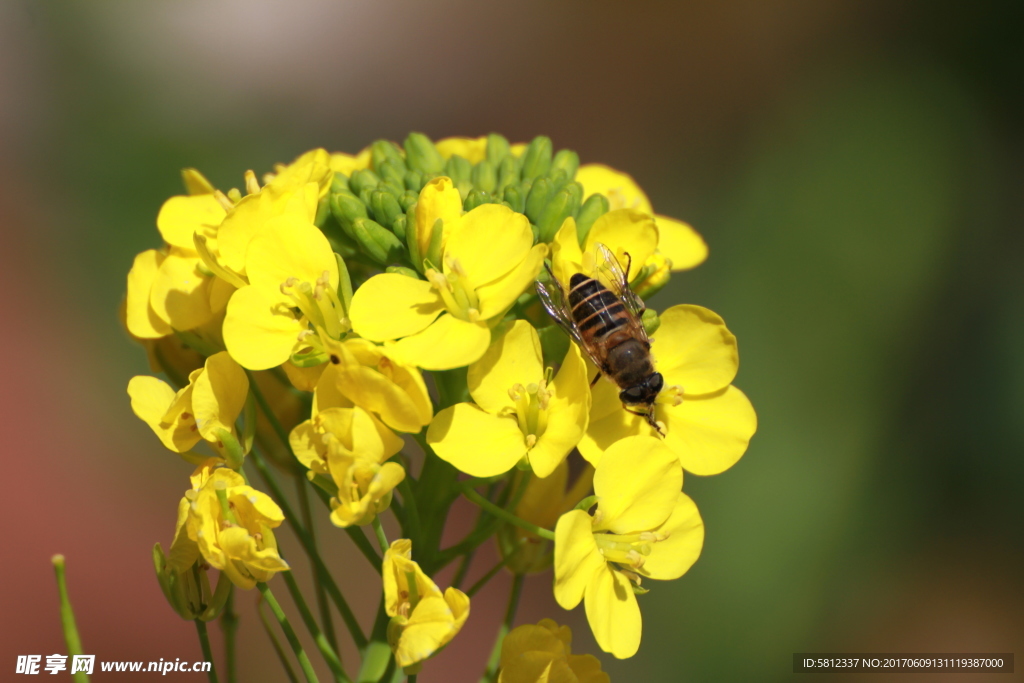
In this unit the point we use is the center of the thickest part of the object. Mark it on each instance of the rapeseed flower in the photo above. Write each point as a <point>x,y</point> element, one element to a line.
<point>518,413</point>
<point>644,526</point>
<point>542,653</point>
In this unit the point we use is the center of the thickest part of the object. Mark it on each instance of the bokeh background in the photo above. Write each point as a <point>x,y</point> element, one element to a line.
<point>855,166</point>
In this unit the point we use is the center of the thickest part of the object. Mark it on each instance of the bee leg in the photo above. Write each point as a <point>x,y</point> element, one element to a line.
<point>596,377</point>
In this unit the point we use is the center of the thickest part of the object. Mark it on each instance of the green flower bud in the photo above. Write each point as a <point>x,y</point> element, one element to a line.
<point>433,254</point>
<point>362,179</point>
<point>366,194</point>
<point>391,187</point>
<point>565,203</point>
<point>592,209</point>
<point>537,157</point>
<point>323,211</point>
<point>407,199</point>
<point>554,344</point>
<point>566,160</point>
<point>651,321</point>
<point>399,226</point>
<point>340,183</point>
<point>385,208</point>
<point>346,208</point>
<point>485,177</point>
<point>475,199</point>
<point>458,169</point>
<point>414,181</point>
<point>540,195</point>
<point>421,155</point>
<point>376,241</point>
<point>402,270</point>
<point>497,148</point>
<point>514,196</point>
<point>464,187</point>
<point>392,173</point>
<point>508,173</point>
<point>385,150</point>
<point>411,241</point>
<point>344,283</point>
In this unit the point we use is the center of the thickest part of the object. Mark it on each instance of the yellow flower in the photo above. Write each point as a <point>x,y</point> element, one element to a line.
<point>488,260</point>
<point>350,446</point>
<point>542,653</point>
<point>423,619</point>
<point>293,283</point>
<point>312,167</point>
<point>208,406</point>
<point>708,422</point>
<point>644,526</point>
<point>517,413</point>
<point>347,163</point>
<point>543,502</point>
<point>623,231</point>
<point>230,523</point>
<point>679,242</point>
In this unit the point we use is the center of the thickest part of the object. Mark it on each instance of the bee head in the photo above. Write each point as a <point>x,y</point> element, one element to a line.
<point>643,393</point>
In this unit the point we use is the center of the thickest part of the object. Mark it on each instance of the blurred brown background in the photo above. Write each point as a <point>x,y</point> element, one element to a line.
<point>856,168</point>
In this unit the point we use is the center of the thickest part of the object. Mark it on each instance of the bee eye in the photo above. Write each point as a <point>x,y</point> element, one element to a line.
<point>632,395</point>
<point>656,382</point>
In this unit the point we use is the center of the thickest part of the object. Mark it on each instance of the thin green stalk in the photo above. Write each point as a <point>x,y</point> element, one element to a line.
<point>229,626</point>
<point>325,576</point>
<point>318,586</point>
<point>485,579</point>
<point>275,424</point>
<point>505,515</point>
<point>289,633</point>
<point>463,569</point>
<point>282,656</point>
<point>412,513</point>
<point>491,673</point>
<point>329,653</point>
<point>382,540</point>
<point>357,536</point>
<point>204,643</point>
<point>67,618</point>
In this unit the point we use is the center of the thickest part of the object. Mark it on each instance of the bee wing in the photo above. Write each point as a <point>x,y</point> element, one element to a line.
<point>610,274</point>
<point>556,303</point>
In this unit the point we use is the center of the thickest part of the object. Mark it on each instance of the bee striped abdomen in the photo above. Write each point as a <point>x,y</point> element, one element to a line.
<point>596,311</point>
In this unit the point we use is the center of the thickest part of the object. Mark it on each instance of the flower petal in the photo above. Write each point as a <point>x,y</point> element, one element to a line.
<point>151,398</point>
<point>430,626</point>
<point>625,231</point>
<point>613,613</point>
<point>476,442</point>
<point>671,558</point>
<point>447,343</point>
<point>620,188</point>
<point>474,150</point>
<point>496,297</point>
<point>438,200</point>
<point>259,332</point>
<point>140,318</point>
<point>392,306</point>
<point>347,163</point>
<point>488,242</point>
<point>616,423</point>
<point>636,484</point>
<point>710,433</point>
<point>566,255</point>
<point>368,378</point>
<point>577,558</point>
<point>286,247</point>
<point>182,216</point>
<point>180,293</point>
<point>567,423</point>
<point>218,395</point>
<point>680,243</point>
<point>514,358</point>
<point>695,350</point>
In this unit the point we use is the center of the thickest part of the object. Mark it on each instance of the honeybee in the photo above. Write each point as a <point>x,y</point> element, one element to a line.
<point>603,316</point>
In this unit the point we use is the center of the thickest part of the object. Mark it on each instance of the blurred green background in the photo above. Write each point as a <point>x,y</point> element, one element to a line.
<point>855,167</point>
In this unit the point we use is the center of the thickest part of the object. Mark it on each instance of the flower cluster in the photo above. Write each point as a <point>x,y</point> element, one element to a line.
<point>370,324</point>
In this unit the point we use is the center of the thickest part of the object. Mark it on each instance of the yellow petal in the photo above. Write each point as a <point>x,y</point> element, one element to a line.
<point>488,243</point>
<point>637,484</point>
<point>259,332</point>
<point>182,216</point>
<point>672,557</point>
<point>289,247</point>
<point>680,243</point>
<point>609,422</point>
<point>566,255</point>
<point>313,166</point>
<point>577,558</point>
<point>541,504</point>
<point>438,199</point>
<point>304,379</point>
<point>306,444</point>
<point>384,387</point>
<point>626,231</point>
<point>587,669</point>
<point>567,422</point>
<point>327,394</point>
<point>430,626</point>
<point>695,350</point>
<point>456,435</point>
<point>180,293</point>
<point>496,297</point>
<point>620,188</point>
<point>514,358</point>
<point>346,164</point>
<point>710,433</point>
<point>447,343</point>
<point>473,150</point>
<point>151,399</point>
<point>140,318</point>
<point>219,395</point>
<point>392,306</point>
<point>242,222</point>
<point>613,613</point>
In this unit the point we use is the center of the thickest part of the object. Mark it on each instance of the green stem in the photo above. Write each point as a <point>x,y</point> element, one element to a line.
<point>485,579</point>
<point>329,654</point>
<point>318,586</point>
<point>505,515</point>
<point>204,643</point>
<point>412,513</point>
<point>276,644</point>
<point>382,540</point>
<point>229,626</point>
<point>67,618</point>
<point>325,576</point>
<point>275,424</point>
<point>289,633</point>
<point>510,614</point>
<point>357,536</point>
